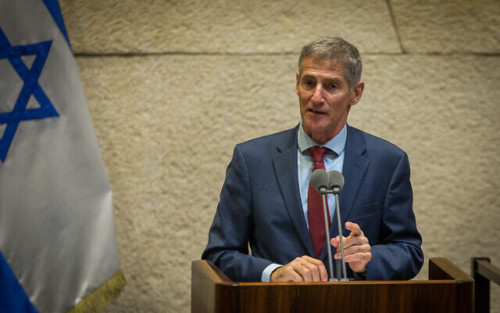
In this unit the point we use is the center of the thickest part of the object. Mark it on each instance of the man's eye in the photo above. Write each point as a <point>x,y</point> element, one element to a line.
<point>308,83</point>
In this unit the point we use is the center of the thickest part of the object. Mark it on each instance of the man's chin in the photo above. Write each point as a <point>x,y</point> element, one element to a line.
<point>316,128</point>
<point>319,132</point>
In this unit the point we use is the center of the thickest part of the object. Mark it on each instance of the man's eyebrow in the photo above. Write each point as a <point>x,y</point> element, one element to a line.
<point>308,76</point>
<point>334,79</point>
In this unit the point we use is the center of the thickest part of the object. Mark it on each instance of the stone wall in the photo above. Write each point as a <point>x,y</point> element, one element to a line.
<point>172,86</point>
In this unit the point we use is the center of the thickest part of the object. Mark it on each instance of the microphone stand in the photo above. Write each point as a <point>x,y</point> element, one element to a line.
<point>341,238</point>
<point>327,231</point>
<point>335,190</point>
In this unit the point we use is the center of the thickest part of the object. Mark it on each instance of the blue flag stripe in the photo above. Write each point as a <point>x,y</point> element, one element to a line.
<point>55,11</point>
<point>12,296</point>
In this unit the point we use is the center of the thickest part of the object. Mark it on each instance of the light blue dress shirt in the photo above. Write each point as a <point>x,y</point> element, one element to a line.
<point>332,161</point>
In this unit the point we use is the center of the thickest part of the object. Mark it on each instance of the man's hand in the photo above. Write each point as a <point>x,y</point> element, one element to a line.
<point>357,250</point>
<point>303,269</point>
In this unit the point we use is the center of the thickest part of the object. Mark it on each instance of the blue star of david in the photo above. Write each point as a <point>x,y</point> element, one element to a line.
<point>30,88</point>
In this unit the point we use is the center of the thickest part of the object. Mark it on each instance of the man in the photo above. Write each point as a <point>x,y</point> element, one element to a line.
<point>265,200</point>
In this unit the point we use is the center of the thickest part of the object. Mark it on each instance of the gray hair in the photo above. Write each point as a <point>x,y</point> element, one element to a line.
<point>335,49</point>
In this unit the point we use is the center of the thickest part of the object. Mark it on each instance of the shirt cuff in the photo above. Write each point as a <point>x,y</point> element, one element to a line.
<point>360,276</point>
<point>266,273</point>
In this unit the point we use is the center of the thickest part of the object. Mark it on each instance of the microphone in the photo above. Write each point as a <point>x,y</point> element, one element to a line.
<point>335,181</point>
<point>320,180</point>
<point>325,183</point>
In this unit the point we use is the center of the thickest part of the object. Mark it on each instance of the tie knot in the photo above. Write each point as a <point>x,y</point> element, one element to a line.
<point>317,153</point>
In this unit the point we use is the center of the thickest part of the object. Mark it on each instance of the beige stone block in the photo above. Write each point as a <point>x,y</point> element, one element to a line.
<point>221,26</point>
<point>459,26</point>
<point>167,125</point>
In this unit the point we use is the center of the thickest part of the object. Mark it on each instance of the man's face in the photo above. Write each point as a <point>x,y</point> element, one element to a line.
<point>324,98</point>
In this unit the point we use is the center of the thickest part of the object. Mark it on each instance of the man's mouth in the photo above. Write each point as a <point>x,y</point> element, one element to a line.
<point>315,111</point>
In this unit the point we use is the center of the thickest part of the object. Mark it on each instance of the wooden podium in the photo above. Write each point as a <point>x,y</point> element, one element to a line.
<point>448,289</point>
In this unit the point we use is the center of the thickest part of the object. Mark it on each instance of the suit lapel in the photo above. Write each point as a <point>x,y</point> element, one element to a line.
<point>355,166</point>
<point>285,166</point>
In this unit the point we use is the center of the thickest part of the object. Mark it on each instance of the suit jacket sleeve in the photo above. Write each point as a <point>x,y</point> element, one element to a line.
<point>229,234</point>
<point>397,254</point>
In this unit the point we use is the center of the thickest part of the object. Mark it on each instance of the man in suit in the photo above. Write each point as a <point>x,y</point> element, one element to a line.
<point>265,200</point>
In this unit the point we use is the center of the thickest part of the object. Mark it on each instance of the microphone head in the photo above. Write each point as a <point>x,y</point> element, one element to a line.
<point>335,180</point>
<point>319,180</point>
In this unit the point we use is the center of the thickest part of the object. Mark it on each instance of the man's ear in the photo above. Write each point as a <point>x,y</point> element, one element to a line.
<point>357,92</point>
<point>297,79</point>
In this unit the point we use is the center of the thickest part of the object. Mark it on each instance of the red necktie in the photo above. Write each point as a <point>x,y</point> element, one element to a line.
<point>315,213</point>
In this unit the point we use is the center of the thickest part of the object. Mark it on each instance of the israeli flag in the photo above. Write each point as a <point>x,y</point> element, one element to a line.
<point>57,240</point>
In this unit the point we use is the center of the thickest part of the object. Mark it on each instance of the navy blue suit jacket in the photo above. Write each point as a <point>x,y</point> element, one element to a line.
<point>260,207</point>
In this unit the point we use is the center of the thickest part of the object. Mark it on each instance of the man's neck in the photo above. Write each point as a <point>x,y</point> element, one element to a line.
<point>337,143</point>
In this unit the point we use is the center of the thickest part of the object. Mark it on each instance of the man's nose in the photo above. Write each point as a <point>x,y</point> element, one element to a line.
<point>318,95</point>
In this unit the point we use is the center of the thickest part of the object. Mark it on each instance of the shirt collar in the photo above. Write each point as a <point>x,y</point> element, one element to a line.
<point>336,144</point>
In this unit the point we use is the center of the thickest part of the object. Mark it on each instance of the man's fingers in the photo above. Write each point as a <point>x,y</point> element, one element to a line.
<point>355,241</point>
<point>303,269</point>
<point>349,241</point>
<point>359,257</point>
<point>354,228</point>
<point>355,237</point>
<point>353,249</point>
<point>323,275</point>
<point>285,274</point>
<point>309,269</point>
<point>357,250</point>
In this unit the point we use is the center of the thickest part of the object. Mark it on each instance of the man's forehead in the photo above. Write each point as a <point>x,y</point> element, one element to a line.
<point>312,67</point>
<point>312,62</point>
